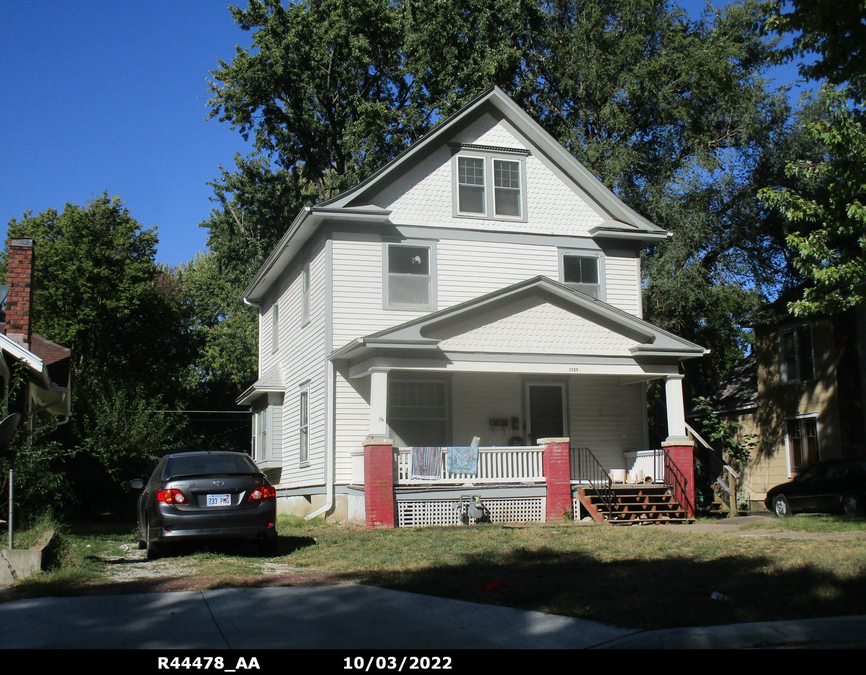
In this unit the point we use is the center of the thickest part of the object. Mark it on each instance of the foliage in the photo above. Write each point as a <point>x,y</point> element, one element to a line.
<point>670,113</point>
<point>834,31</point>
<point>99,291</point>
<point>726,436</point>
<point>830,242</point>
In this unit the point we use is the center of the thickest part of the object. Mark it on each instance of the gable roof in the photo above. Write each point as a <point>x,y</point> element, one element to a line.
<point>620,221</point>
<point>429,331</point>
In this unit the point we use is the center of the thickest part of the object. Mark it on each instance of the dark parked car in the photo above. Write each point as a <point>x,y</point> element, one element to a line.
<point>832,485</point>
<point>194,496</point>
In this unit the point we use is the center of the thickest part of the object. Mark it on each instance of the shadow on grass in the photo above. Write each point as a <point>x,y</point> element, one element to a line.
<point>638,594</point>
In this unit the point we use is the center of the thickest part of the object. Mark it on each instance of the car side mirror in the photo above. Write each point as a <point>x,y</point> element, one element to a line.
<point>136,484</point>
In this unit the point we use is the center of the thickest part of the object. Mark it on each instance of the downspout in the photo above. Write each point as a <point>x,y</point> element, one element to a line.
<point>330,395</point>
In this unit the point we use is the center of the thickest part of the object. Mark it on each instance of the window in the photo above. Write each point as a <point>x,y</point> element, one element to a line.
<point>582,270</point>
<point>470,172</point>
<point>418,412</point>
<point>304,425</point>
<point>409,279</point>
<point>506,188</point>
<point>475,191</point>
<point>803,448</point>
<point>797,359</point>
<point>275,327</point>
<point>305,295</point>
<point>262,437</point>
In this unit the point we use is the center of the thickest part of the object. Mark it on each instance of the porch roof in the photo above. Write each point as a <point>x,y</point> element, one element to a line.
<point>538,321</point>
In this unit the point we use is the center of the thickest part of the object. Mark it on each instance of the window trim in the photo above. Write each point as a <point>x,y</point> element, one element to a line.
<point>421,378</point>
<point>584,253</point>
<point>489,155</point>
<point>783,368</point>
<point>275,327</point>
<point>305,294</point>
<point>431,261</point>
<point>263,436</point>
<point>304,428</point>
<point>788,447</point>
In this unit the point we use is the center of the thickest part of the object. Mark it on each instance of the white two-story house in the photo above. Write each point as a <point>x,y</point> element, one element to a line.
<point>483,283</point>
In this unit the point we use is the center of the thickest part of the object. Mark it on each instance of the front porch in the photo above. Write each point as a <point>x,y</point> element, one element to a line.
<point>546,482</point>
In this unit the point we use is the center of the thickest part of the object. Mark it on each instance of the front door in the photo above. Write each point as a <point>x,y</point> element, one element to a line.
<point>546,413</point>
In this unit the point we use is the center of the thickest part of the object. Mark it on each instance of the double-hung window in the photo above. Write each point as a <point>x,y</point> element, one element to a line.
<point>305,295</point>
<point>304,425</point>
<point>803,448</point>
<point>490,183</point>
<point>275,327</point>
<point>409,278</point>
<point>583,271</point>
<point>797,362</point>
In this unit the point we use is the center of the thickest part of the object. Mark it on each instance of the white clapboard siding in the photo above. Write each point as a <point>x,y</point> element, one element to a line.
<point>622,281</point>
<point>352,423</point>
<point>606,417</point>
<point>301,358</point>
<point>478,397</point>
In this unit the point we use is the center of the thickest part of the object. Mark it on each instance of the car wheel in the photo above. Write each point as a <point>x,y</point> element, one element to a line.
<point>154,551</point>
<point>267,547</point>
<point>851,504</point>
<point>781,507</point>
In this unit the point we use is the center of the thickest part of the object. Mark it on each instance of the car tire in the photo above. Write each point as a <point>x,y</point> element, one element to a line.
<point>154,550</point>
<point>267,547</point>
<point>851,505</point>
<point>781,507</point>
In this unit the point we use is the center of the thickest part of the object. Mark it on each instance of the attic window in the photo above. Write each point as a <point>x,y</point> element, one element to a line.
<point>485,177</point>
<point>582,271</point>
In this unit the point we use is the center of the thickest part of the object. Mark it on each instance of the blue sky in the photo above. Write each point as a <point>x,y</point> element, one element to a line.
<point>103,95</point>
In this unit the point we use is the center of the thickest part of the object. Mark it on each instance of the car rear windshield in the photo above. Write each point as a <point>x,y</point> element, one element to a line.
<point>207,465</point>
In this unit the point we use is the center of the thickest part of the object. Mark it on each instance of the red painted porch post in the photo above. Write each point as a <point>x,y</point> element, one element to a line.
<point>380,465</point>
<point>557,473</point>
<point>681,454</point>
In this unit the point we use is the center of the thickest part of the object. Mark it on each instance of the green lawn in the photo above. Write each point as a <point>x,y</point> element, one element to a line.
<point>635,577</point>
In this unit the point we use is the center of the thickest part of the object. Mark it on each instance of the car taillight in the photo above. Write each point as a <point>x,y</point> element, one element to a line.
<point>262,493</point>
<point>172,496</point>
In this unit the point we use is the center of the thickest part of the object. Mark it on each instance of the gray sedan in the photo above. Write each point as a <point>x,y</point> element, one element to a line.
<point>195,496</point>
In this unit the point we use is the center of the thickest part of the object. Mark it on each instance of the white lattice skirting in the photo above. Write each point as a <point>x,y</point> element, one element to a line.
<point>424,513</point>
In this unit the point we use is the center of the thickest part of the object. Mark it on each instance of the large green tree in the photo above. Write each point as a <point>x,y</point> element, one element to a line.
<point>99,292</point>
<point>826,213</point>
<point>671,113</point>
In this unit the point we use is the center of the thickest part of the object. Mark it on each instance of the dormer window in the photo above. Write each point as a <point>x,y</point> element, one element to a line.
<point>490,183</point>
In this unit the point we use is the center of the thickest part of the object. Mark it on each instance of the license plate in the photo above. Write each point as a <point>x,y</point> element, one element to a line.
<point>219,500</point>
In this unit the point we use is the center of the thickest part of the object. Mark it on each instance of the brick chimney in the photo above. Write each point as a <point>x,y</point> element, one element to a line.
<point>19,277</point>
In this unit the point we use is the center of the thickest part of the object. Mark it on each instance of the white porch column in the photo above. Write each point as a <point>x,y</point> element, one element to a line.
<point>378,402</point>
<point>676,408</point>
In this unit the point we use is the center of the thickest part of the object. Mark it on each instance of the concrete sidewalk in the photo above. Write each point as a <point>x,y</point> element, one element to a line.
<point>361,617</point>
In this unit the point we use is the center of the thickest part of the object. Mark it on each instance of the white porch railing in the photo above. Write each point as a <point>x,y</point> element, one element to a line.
<point>509,464</point>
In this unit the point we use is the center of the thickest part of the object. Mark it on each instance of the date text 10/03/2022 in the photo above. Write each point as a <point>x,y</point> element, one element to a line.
<point>399,664</point>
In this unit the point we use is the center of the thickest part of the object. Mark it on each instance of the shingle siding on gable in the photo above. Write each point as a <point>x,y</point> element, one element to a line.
<point>544,329</point>
<point>423,195</point>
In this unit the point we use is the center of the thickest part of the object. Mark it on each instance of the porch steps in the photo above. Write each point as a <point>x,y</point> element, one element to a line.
<point>635,505</point>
